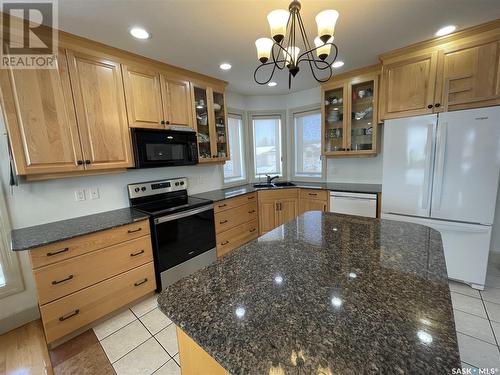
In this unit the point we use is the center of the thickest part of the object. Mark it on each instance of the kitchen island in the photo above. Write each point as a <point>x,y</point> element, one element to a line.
<point>322,294</point>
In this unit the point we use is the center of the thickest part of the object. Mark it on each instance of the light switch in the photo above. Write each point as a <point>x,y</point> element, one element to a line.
<point>94,192</point>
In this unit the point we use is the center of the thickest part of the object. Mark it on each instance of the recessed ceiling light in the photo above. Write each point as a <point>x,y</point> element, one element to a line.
<point>225,66</point>
<point>446,30</point>
<point>338,64</point>
<point>272,84</point>
<point>139,33</point>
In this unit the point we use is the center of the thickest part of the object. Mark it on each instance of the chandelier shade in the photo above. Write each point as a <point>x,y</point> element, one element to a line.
<point>289,38</point>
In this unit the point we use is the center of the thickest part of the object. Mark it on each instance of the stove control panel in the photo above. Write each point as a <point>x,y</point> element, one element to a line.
<point>149,188</point>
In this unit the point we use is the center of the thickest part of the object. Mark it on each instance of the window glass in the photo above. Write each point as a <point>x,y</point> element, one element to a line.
<point>307,144</point>
<point>267,145</point>
<point>234,169</point>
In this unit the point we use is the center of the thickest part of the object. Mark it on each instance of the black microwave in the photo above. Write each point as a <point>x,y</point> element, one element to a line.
<point>164,148</point>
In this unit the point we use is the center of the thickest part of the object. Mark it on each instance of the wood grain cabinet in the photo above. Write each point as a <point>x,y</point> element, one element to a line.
<point>210,114</point>
<point>459,71</point>
<point>277,207</point>
<point>313,200</point>
<point>350,114</point>
<point>83,279</point>
<point>236,222</point>
<point>155,100</point>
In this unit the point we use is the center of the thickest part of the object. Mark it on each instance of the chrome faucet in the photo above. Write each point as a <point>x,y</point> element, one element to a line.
<point>270,179</point>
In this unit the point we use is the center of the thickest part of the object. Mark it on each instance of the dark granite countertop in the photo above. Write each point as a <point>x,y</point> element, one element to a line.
<point>221,194</point>
<point>39,235</point>
<point>325,293</point>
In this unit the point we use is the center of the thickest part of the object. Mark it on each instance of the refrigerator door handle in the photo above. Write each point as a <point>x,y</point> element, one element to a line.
<point>440,163</point>
<point>428,166</point>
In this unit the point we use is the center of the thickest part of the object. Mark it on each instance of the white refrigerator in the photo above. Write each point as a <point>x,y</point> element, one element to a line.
<point>442,171</point>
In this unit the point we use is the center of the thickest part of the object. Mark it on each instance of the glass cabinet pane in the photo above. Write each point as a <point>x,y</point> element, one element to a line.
<point>220,125</point>
<point>334,120</point>
<point>362,122</point>
<point>202,123</point>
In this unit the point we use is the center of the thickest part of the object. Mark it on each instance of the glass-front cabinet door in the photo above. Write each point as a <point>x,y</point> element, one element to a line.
<point>350,114</point>
<point>202,123</point>
<point>362,117</point>
<point>334,120</point>
<point>220,118</point>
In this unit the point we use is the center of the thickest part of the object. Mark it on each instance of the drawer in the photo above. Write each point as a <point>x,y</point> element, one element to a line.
<point>79,309</point>
<point>236,237</point>
<point>230,218</point>
<point>314,194</point>
<point>278,193</point>
<point>227,204</point>
<point>62,278</point>
<point>42,256</point>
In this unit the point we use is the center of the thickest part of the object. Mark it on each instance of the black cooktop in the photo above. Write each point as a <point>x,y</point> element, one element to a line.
<point>168,206</point>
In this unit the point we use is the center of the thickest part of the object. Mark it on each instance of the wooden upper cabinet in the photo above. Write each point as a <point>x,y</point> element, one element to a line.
<point>143,97</point>
<point>177,104</point>
<point>100,110</point>
<point>408,85</point>
<point>40,119</point>
<point>469,75</point>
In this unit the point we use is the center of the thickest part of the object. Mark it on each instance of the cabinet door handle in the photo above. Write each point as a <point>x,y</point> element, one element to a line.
<point>138,253</point>
<point>55,282</point>
<point>251,212</point>
<point>437,105</point>
<point>79,162</point>
<point>134,230</point>
<point>253,230</point>
<point>87,161</point>
<point>222,205</point>
<point>70,315</point>
<point>252,197</point>
<point>223,222</point>
<point>162,122</point>
<point>313,194</point>
<point>324,208</point>
<point>430,106</point>
<point>58,252</point>
<point>141,282</point>
<point>224,243</point>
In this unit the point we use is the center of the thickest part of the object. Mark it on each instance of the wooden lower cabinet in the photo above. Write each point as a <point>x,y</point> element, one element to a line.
<point>236,222</point>
<point>277,207</point>
<point>313,200</point>
<point>83,279</point>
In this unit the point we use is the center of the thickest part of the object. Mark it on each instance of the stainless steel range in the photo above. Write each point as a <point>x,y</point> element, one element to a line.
<point>182,227</point>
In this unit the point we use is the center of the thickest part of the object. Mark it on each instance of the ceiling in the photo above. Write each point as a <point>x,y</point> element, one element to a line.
<point>201,34</point>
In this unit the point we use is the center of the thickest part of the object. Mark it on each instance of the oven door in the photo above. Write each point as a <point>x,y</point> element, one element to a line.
<point>182,236</point>
<point>164,148</point>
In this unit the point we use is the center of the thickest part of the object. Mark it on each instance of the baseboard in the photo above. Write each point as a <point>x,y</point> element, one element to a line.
<point>19,319</point>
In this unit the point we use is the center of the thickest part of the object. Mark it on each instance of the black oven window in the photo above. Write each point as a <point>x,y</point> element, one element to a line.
<point>165,151</point>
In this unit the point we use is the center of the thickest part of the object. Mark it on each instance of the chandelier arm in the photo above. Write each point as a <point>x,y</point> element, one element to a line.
<point>328,66</point>
<point>270,77</point>
<point>312,58</point>
<point>276,60</point>
<point>309,51</point>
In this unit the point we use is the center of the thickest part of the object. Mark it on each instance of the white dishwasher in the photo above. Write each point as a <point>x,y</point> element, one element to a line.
<point>360,204</point>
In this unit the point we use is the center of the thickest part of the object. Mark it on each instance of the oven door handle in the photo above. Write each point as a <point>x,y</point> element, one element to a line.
<point>180,215</point>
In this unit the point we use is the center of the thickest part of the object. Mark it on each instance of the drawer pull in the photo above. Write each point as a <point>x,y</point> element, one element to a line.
<point>222,205</point>
<point>58,252</point>
<point>138,253</point>
<point>55,282</point>
<point>70,315</point>
<point>134,230</point>
<point>253,230</point>
<point>251,212</point>
<point>224,243</point>
<point>252,197</point>
<point>223,222</point>
<point>141,282</point>
<point>313,194</point>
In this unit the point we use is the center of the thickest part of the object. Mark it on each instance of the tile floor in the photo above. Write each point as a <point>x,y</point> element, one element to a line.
<point>140,340</point>
<point>477,321</point>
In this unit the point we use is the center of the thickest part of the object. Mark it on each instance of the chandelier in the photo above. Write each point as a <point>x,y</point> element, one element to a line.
<point>282,51</point>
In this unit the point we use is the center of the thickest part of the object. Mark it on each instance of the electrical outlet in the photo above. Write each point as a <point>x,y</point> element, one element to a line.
<point>93,193</point>
<point>80,195</point>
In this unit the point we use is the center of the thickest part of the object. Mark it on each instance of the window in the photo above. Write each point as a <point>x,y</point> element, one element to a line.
<point>267,145</point>
<point>307,134</point>
<point>234,169</point>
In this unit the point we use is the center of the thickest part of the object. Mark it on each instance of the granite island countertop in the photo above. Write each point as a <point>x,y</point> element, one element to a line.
<point>325,293</point>
<point>44,234</point>
<point>221,194</point>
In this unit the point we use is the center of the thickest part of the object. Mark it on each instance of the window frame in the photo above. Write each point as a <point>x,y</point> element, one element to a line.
<point>293,142</point>
<point>244,145</point>
<point>283,140</point>
<point>9,259</point>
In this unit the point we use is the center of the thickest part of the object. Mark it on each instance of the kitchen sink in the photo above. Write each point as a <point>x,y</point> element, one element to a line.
<point>257,186</point>
<point>282,184</point>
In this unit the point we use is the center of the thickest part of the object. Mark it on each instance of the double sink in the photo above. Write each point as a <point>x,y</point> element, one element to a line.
<point>273,185</point>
